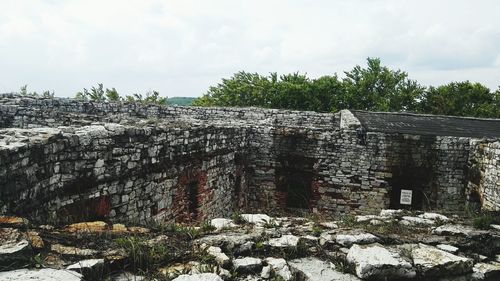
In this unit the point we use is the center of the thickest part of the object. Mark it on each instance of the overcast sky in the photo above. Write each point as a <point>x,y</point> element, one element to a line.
<point>182,47</point>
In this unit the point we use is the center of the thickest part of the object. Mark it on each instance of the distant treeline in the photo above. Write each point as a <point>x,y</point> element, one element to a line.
<point>100,94</point>
<point>374,88</point>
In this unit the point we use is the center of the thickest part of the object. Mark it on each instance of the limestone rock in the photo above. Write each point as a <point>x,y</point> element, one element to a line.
<point>220,223</point>
<point>431,262</point>
<point>247,265</point>
<point>374,261</point>
<point>35,240</point>
<point>390,213</point>
<point>91,268</point>
<point>487,271</point>
<point>447,248</point>
<point>199,277</point>
<point>365,218</point>
<point>284,241</point>
<point>45,274</point>
<point>329,224</point>
<point>127,276</point>
<point>13,221</point>
<point>434,216</point>
<point>227,241</point>
<point>220,257</point>
<point>312,269</point>
<point>453,229</point>
<point>258,219</point>
<point>280,268</point>
<point>72,251</point>
<point>350,239</point>
<point>266,272</point>
<point>325,238</point>
<point>416,221</point>
<point>94,226</point>
<point>14,251</point>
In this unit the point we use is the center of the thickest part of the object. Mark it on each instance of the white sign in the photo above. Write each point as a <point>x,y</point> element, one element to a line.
<point>405,197</point>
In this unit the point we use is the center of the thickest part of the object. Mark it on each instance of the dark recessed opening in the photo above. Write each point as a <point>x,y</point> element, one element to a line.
<point>298,189</point>
<point>416,179</point>
<point>474,201</point>
<point>192,194</point>
<point>293,180</point>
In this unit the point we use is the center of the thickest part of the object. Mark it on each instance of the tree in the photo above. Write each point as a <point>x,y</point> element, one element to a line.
<point>379,88</point>
<point>112,94</point>
<point>461,99</point>
<point>95,93</point>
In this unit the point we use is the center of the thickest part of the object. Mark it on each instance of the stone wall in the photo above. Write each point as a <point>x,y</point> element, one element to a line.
<point>119,172</point>
<point>68,160</point>
<point>484,174</point>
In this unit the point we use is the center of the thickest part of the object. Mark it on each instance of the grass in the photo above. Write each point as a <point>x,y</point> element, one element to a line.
<point>238,218</point>
<point>142,255</point>
<point>484,220</point>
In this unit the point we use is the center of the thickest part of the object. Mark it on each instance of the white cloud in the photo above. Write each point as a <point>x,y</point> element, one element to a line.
<point>183,47</point>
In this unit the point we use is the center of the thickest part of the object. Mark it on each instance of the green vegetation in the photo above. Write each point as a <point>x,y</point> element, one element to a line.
<point>45,94</point>
<point>374,87</point>
<point>484,220</point>
<point>100,94</point>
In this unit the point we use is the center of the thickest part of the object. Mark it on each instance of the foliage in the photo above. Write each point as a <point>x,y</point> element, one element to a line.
<point>142,254</point>
<point>462,99</point>
<point>484,220</point>
<point>45,94</point>
<point>374,88</point>
<point>100,94</point>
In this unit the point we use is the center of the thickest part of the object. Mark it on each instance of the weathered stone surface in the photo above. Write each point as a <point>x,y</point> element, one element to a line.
<point>434,216</point>
<point>227,241</point>
<point>284,241</point>
<point>431,262</point>
<point>46,274</point>
<point>220,223</point>
<point>453,229</point>
<point>247,265</point>
<point>390,213</point>
<point>258,219</point>
<point>447,248</point>
<point>220,257</point>
<point>127,276</point>
<point>199,277</point>
<point>9,221</point>
<point>91,268</point>
<point>487,271</point>
<point>14,251</point>
<point>365,218</point>
<point>361,238</point>
<point>35,240</point>
<point>376,262</point>
<point>280,267</point>
<point>314,269</point>
<point>94,226</point>
<point>416,221</point>
<point>72,251</point>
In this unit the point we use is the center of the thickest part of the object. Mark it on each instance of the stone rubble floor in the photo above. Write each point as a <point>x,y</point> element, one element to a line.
<point>392,245</point>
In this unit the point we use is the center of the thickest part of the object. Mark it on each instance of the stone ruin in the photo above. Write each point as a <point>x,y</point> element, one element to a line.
<point>64,160</point>
<point>81,173</point>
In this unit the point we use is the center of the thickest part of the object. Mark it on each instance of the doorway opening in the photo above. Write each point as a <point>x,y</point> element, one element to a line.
<point>192,196</point>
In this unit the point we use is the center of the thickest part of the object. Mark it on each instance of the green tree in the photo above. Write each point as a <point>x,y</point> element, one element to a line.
<point>461,99</point>
<point>95,93</point>
<point>112,94</point>
<point>379,88</point>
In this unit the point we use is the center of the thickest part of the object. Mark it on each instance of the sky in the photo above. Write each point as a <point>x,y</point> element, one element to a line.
<point>181,48</point>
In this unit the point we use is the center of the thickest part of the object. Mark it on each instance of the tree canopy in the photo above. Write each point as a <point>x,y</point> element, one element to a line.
<point>374,88</point>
